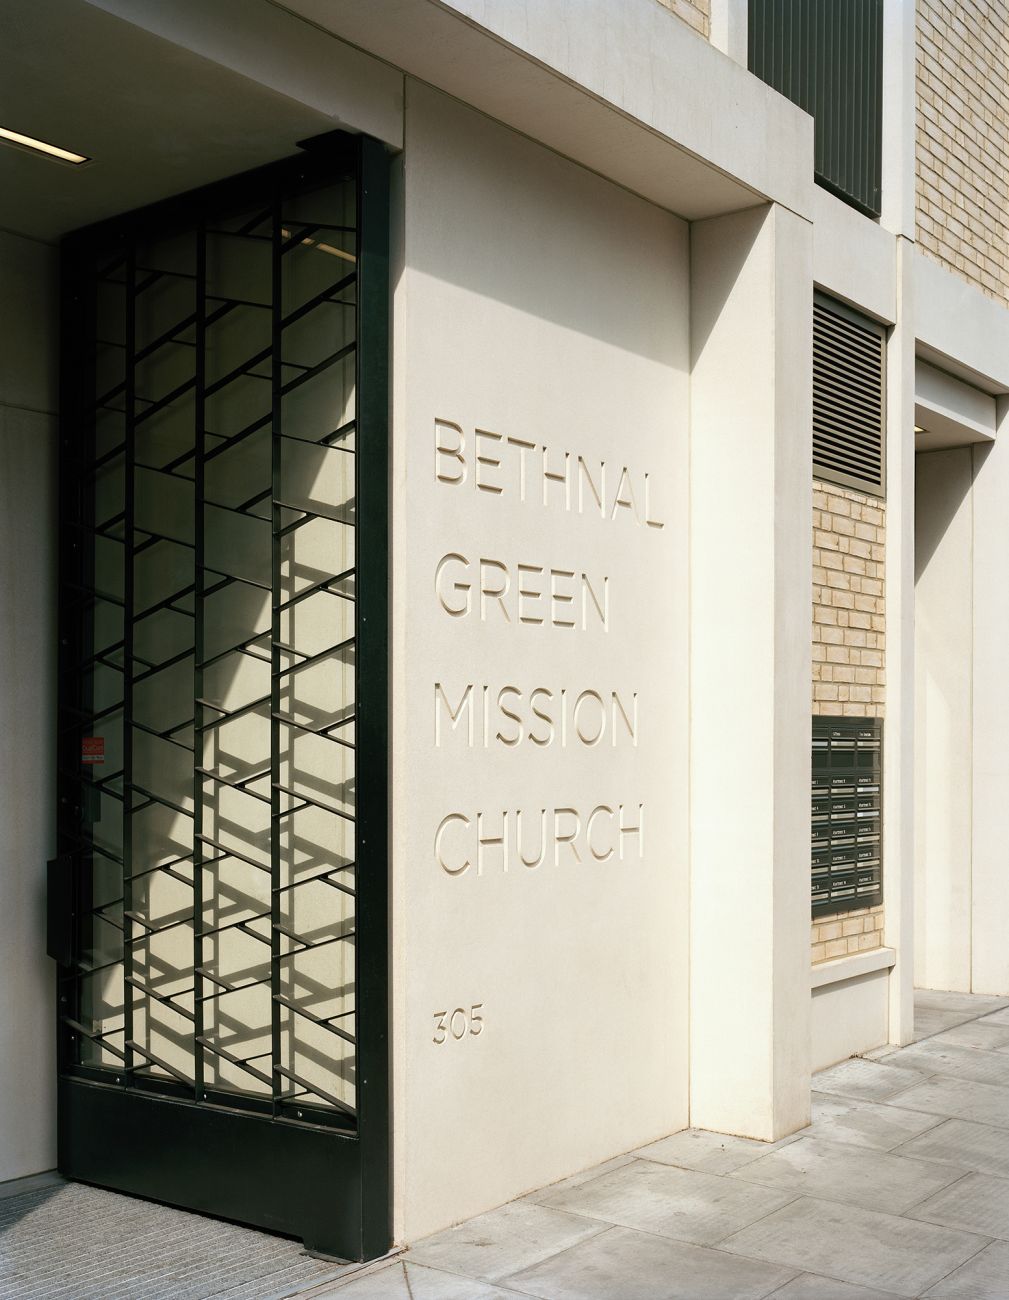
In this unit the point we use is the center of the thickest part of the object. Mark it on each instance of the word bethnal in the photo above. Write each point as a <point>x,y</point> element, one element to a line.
<point>504,465</point>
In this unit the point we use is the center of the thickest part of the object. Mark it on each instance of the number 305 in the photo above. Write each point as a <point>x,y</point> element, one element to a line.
<point>458,1023</point>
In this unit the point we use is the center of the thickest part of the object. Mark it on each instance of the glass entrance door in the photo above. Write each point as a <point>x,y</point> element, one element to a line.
<point>219,904</point>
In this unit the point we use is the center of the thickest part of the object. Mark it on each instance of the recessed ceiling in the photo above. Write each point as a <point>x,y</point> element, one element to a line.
<point>948,412</point>
<point>155,118</point>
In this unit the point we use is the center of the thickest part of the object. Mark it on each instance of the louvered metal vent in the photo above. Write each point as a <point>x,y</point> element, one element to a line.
<point>847,839</point>
<point>848,424</point>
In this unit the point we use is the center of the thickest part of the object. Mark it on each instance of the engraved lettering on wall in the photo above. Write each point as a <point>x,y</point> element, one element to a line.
<point>495,592</point>
<point>481,716</point>
<point>483,843</point>
<point>532,472</point>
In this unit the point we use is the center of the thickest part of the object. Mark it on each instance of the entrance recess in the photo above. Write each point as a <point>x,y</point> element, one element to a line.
<point>218,908</point>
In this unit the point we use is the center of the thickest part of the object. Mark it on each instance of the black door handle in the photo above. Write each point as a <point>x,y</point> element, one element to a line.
<point>60,911</point>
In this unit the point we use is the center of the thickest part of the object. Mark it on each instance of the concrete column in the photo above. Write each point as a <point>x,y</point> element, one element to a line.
<point>541,869</point>
<point>898,213</point>
<point>944,634</point>
<point>898,734</point>
<point>751,469</point>
<point>729,29</point>
<point>989,892</point>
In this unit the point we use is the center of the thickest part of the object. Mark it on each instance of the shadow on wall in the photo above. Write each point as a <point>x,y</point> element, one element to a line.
<point>467,171</point>
<point>931,524</point>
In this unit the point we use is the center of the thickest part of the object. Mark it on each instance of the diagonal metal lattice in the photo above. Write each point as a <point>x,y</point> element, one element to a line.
<point>222,427</point>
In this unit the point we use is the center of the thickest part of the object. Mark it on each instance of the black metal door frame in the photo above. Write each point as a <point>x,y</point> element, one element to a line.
<point>324,1179</point>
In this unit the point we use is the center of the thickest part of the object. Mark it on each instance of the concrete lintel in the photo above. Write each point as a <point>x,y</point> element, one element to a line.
<point>854,258</point>
<point>959,328</point>
<point>626,90</point>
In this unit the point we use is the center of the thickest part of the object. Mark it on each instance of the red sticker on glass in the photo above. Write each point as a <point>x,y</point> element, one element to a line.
<point>92,749</point>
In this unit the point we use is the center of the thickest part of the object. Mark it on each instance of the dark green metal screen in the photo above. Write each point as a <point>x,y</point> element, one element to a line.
<point>827,57</point>
<point>218,909</point>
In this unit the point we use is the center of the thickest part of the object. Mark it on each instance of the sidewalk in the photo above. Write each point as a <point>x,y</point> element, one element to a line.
<point>899,1187</point>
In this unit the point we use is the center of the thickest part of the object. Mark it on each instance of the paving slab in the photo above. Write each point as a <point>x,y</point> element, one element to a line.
<point>503,1241</point>
<point>979,1147</point>
<point>930,1020</point>
<point>996,1018</point>
<point>854,1245</point>
<point>868,1080</point>
<point>933,1056</point>
<point>671,1202</point>
<point>709,1153</point>
<point>974,1004</point>
<point>977,1033</point>
<point>807,1286</point>
<point>875,1180</point>
<point>958,1098</point>
<point>576,1180</point>
<point>865,1123</point>
<point>638,1266</point>
<point>405,1281</point>
<point>985,1277</point>
<point>977,1202</point>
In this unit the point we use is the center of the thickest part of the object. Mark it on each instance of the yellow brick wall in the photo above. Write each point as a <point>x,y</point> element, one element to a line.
<point>696,13</point>
<point>849,654</point>
<point>847,933</point>
<point>962,133</point>
<point>849,636</point>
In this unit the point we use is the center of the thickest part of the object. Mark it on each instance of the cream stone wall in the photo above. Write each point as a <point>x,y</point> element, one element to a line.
<point>962,139</point>
<point>540,680</point>
<point>696,13</point>
<point>849,646</point>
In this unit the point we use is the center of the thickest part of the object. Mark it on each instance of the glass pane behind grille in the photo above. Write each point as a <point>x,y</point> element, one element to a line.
<point>217,490</point>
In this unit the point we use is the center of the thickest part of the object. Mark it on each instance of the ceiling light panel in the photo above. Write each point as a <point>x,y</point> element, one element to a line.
<point>40,146</point>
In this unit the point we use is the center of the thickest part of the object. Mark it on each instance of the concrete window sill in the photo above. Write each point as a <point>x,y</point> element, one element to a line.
<point>846,968</point>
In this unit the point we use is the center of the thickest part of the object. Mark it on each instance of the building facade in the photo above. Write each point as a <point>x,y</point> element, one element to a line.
<point>504,514</point>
